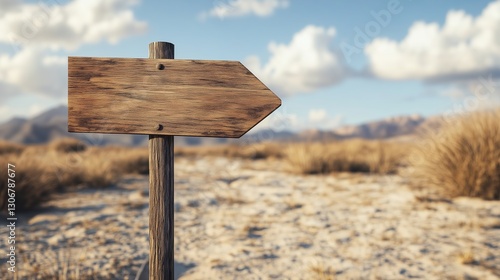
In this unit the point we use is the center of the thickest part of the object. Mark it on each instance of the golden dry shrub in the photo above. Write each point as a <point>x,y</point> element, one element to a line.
<point>10,148</point>
<point>42,170</point>
<point>309,158</point>
<point>40,174</point>
<point>255,151</point>
<point>131,161</point>
<point>100,172</point>
<point>463,157</point>
<point>67,145</point>
<point>34,182</point>
<point>354,155</point>
<point>260,150</point>
<point>265,150</point>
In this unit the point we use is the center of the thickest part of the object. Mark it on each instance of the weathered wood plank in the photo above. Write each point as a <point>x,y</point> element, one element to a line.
<point>184,97</point>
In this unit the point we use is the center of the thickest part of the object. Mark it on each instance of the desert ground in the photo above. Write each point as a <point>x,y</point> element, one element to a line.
<point>424,208</point>
<point>251,219</point>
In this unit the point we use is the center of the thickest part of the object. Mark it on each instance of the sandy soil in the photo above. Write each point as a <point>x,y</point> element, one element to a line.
<point>239,219</point>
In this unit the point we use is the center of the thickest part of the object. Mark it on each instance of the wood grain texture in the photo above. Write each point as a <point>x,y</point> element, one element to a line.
<point>185,97</point>
<point>161,192</point>
<point>161,207</point>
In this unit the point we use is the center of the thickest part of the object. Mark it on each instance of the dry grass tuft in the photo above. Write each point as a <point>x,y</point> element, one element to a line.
<point>10,148</point>
<point>463,159</point>
<point>33,182</point>
<point>131,160</point>
<point>65,264</point>
<point>42,170</point>
<point>380,157</point>
<point>264,150</point>
<point>67,145</point>
<point>466,257</point>
<point>320,271</point>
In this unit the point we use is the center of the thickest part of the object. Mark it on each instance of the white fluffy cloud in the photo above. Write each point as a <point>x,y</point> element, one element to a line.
<point>455,92</point>
<point>5,112</point>
<point>463,47</point>
<point>8,110</point>
<point>281,120</point>
<point>317,115</point>
<point>48,24</point>
<point>238,8</point>
<point>307,63</point>
<point>33,71</point>
<point>319,118</point>
<point>36,30</point>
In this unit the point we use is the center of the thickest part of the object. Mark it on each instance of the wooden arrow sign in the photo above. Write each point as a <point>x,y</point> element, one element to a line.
<point>165,97</point>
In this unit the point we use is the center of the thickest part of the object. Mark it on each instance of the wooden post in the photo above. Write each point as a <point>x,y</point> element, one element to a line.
<point>161,190</point>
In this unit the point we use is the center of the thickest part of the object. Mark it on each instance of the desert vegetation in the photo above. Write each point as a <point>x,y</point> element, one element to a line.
<point>67,163</point>
<point>377,157</point>
<point>264,150</point>
<point>10,148</point>
<point>463,157</point>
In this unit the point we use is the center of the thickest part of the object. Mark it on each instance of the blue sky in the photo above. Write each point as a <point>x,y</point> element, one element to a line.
<point>332,62</point>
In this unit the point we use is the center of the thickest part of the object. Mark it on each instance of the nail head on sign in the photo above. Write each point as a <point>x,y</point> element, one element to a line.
<point>160,66</point>
<point>158,127</point>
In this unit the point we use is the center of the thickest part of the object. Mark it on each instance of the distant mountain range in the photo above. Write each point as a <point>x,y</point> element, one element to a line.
<point>53,124</point>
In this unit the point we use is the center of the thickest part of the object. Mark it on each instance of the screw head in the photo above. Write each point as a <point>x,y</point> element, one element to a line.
<point>158,127</point>
<point>160,66</point>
